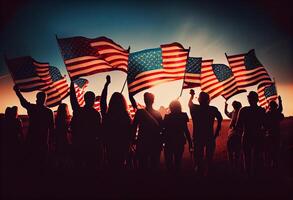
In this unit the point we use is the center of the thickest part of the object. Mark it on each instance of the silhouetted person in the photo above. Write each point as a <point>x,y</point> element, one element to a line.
<point>116,127</point>
<point>149,139</point>
<point>234,135</point>
<point>175,135</point>
<point>62,134</point>
<point>86,130</point>
<point>203,117</point>
<point>11,140</point>
<point>41,125</point>
<point>251,121</point>
<point>273,119</point>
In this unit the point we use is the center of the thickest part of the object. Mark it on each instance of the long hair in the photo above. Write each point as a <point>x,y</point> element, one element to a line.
<point>117,105</point>
<point>62,115</point>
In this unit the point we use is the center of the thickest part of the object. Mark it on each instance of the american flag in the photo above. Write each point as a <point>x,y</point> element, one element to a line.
<point>84,56</point>
<point>218,79</point>
<point>80,86</point>
<point>193,71</point>
<point>24,74</point>
<point>151,67</point>
<point>247,69</point>
<point>30,75</point>
<point>266,93</point>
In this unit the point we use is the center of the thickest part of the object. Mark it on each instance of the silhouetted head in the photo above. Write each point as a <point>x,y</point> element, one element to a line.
<point>89,99</point>
<point>204,98</point>
<point>14,111</point>
<point>148,99</point>
<point>117,103</point>
<point>63,110</point>
<point>175,107</point>
<point>8,112</point>
<point>252,98</point>
<point>41,98</point>
<point>236,105</point>
<point>273,105</point>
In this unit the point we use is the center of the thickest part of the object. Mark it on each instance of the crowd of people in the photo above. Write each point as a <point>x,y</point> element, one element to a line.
<point>112,140</point>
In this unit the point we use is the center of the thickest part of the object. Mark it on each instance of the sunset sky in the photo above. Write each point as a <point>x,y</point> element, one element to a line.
<point>210,28</point>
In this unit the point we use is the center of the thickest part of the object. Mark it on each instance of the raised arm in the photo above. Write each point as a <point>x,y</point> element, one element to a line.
<point>219,123</point>
<point>104,96</point>
<point>227,113</point>
<point>280,107</point>
<point>24,103</point>
<point>133,102</point>
<point>73,100</point>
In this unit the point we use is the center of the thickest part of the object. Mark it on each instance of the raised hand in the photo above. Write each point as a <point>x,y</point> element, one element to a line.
<point>108,79</point>
<point>191,92</point>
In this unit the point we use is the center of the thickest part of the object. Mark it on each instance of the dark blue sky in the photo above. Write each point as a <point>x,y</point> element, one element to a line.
<point>211,28</point>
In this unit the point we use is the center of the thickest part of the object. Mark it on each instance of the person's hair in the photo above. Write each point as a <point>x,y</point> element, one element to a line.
<point>148,98</point>
<point>41,98</point>
<point>252,98</point>
<point>236,105</point>
<point>204,98</point>
<point>89,98</point>
<point>117,104</point>
<point>273,105</point>
<point>14,111</point>
<point>62,114</point>
<point>175,107</point>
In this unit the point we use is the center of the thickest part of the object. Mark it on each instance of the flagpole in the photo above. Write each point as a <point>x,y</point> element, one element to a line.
<point>184,75</point>
<point>62,55</point>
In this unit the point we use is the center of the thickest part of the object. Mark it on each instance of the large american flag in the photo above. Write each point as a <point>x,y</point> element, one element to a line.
<point>218,79</point>
<point>30,75</point>
<point>80,86</point>
<point>151,67</point>
<point>83,56</point>
<point>248,70</point>
<point>24,74</point>
<point>266,92</point>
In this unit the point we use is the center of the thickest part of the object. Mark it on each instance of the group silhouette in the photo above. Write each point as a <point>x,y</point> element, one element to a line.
<point>113,140</point>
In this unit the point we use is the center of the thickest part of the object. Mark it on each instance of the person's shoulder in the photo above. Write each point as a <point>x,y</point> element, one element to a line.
<point>214,108</point>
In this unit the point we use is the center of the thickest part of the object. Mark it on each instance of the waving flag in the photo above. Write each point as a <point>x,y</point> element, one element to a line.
<point>84,56</point>
<point>24,74</point>
<point>151,67</point>
<point>247,69</point>
<point>193,71</point>
<point>80,86</point>
<point>30,75</point>
<point>266,93</point>
<point>218,79</point>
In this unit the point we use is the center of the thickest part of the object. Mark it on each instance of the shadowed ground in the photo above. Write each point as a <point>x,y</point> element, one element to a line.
<point>222,182</point>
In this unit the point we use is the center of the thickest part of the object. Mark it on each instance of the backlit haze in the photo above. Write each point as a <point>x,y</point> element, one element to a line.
<point>210,29</point>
